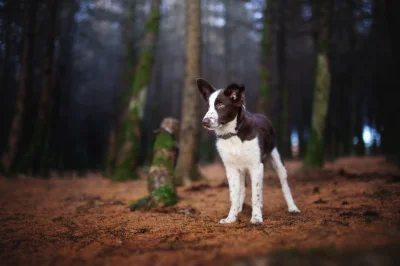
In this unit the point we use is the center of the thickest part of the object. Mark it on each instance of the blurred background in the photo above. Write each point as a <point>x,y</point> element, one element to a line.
<point>80,78</point>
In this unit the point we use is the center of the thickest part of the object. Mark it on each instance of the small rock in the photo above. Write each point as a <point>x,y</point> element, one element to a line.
<point>316,190</point>
<point>345,203</point>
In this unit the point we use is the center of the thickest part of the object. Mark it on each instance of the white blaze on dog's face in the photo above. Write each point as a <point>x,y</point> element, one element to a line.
<point>212,113</point>
<point>223,105</point>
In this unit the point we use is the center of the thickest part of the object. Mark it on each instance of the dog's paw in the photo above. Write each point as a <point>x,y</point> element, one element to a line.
<point>256,219</point>
<point>227,220</point>
<point>294,209</point>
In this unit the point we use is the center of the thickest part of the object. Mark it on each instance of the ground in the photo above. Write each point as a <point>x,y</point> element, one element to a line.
<point>351,205</point>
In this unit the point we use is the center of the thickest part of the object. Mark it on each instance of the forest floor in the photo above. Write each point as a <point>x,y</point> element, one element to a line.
<point>350,214</point>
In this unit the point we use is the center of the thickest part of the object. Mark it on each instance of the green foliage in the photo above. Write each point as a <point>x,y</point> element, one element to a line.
<point>166,195</point>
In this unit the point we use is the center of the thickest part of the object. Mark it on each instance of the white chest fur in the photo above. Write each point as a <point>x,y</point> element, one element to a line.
<point>238,154</point>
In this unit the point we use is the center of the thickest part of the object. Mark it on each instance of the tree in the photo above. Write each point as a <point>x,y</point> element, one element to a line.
<point>263,103</point>
<point>36,157</point>
<point>284,127</point>
<point>15,134</point>
<point>161,183</point>
<point>120,105</point>
<point>129,139</point>
<point>322,19</point>
<point>188,144</point>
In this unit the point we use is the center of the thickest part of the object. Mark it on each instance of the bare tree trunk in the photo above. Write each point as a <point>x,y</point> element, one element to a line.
<point>161,183</point>
<point>315,149</point>
<point>27,55</point>
<point>125,165</point>
<point>264,99</point>
<point>230,66</point>
<point>284,135</point>
<point>188,144</point>
<point>35,159</point>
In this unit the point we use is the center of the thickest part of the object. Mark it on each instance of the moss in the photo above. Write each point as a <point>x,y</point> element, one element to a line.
<point>152,24</point>
<point>150,183</point>
<point>315,148</point>
<point>164,140</point>
<point>143,71</point>
<point>125,169</point>
<point>124,174</point>
<point>315,151</point>
<point>166,195</point>
<point>142,203</point>
<point>162,161</point>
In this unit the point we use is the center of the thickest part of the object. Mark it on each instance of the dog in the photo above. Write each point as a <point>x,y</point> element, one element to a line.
<point>244,140</point>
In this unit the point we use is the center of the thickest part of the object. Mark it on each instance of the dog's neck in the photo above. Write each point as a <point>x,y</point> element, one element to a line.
<point>231,128</point>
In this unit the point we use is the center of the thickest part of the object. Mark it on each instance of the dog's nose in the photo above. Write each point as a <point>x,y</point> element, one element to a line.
<point>206,122</point>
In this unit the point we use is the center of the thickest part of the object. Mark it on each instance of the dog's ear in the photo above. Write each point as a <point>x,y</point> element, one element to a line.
<point>205,88</point>
<point>235,94</point>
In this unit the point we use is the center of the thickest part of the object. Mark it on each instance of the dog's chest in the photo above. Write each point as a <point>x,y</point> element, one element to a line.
<point>238,154</point>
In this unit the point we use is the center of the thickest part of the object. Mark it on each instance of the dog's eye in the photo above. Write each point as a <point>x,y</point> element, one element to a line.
<point>219,105</point>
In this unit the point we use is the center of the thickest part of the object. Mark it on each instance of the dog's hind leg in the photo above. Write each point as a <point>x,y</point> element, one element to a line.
<point>242,189</point>
<point>281,171</point>
<point>257,176</point>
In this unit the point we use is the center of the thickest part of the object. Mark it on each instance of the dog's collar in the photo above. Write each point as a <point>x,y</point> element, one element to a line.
<point>230,135</point>
<point>226,136</point>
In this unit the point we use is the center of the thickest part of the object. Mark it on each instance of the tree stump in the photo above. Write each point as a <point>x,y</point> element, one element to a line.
<point>161,175</point>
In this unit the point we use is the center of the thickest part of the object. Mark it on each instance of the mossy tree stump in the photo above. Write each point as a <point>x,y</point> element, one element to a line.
<point>161,175</point>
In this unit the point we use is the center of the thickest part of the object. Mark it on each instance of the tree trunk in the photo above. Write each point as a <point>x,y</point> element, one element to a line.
<point>188,144</point>
<point>26,62</point>
<point>315,148</point>
<point>264,99</point>
<point>35,159</point>
<point>5,78</point>
<point>230,67</point>
<point>125,165</point>
<point>161,176</point>
<point>120,104</point>
<point>284,127</point>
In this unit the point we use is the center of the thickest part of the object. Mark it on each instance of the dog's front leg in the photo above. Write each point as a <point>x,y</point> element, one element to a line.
<point>234,195</point>
<point>257,174</point>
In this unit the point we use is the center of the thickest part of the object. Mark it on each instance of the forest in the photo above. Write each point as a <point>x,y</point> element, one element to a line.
<point>103,157</point>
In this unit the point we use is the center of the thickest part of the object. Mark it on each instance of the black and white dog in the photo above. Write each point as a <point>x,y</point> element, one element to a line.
<point>243,141</point>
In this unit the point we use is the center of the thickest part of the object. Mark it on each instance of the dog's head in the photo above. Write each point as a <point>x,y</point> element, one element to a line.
<point>223,105</point>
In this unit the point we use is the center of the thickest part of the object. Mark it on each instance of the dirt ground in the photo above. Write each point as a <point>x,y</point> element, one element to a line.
<point>352,204</point>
